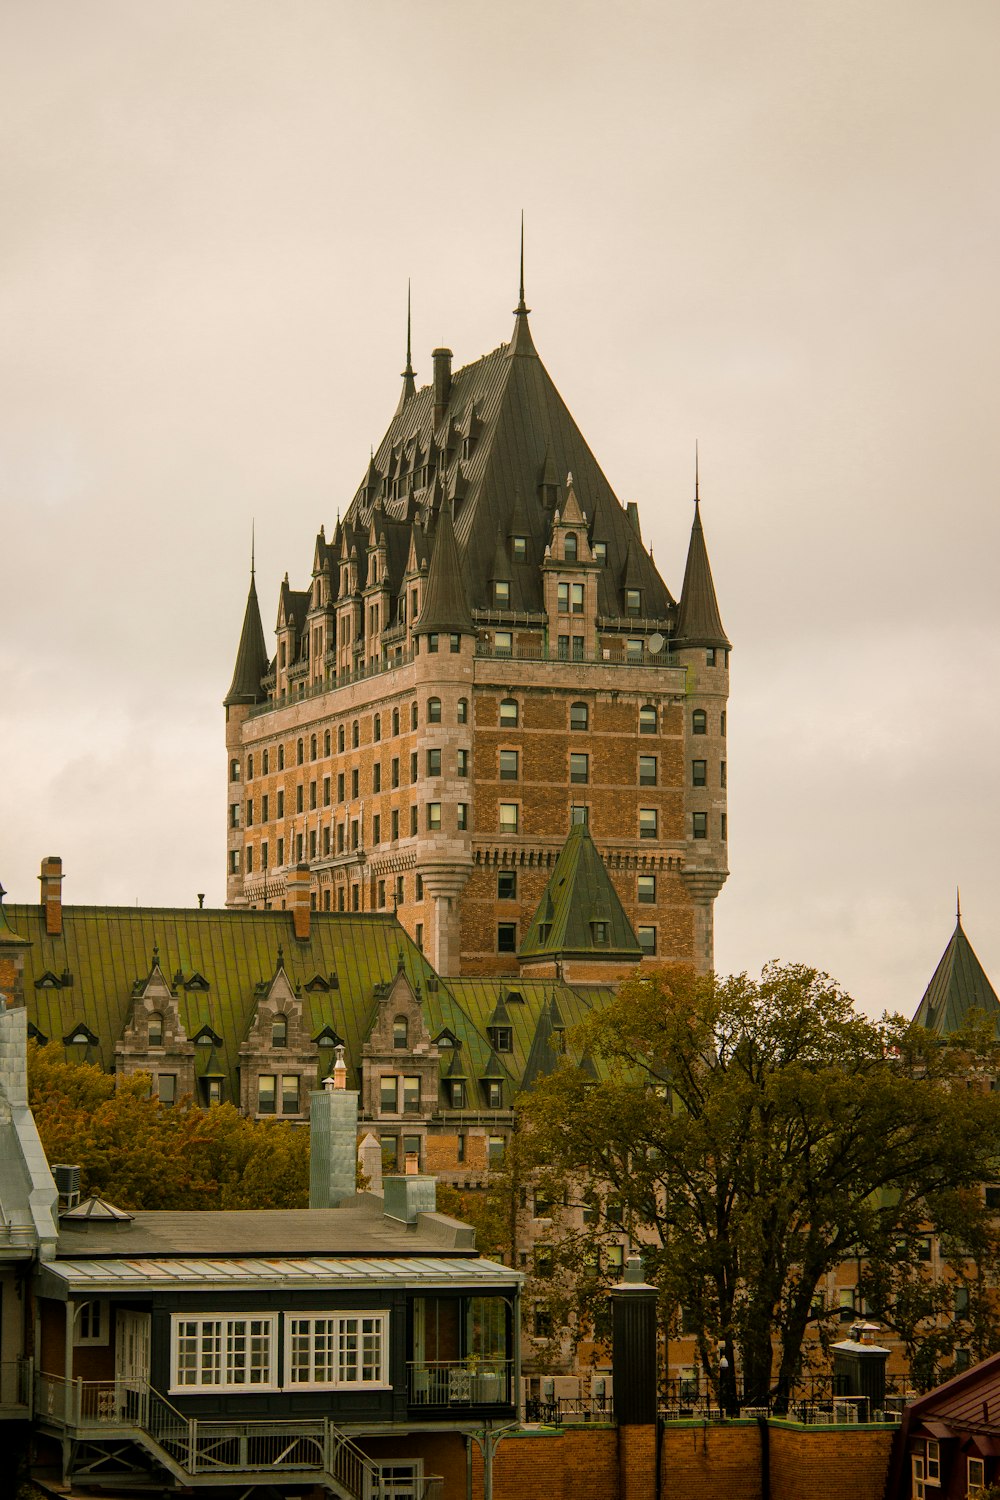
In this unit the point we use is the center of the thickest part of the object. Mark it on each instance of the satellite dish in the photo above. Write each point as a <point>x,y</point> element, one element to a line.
<point>655,644</point>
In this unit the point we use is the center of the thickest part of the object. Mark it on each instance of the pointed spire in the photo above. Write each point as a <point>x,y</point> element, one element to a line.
<point>698,620</point>
<point>958,906</point>
<point>521,341</point>
<point>445,606</point>
<point>959,985</point>
<point>252,660</point>
<point>409,382</point>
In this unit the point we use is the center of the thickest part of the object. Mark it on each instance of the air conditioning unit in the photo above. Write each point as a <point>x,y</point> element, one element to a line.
<point>67,1181</point>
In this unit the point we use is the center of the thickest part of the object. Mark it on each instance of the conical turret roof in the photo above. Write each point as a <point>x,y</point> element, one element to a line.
<point>445,607</point>
<point>959,985</point>
<point>698,620</point>
<point>252,660</point>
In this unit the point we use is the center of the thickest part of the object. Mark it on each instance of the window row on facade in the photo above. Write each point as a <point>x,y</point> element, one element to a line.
<point>279,1351</point>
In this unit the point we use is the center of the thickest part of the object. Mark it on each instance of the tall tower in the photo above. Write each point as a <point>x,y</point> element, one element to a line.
<point>245,691</point>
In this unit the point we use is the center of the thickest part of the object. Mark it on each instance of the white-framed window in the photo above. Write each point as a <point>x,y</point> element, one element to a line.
<point>932,1461</point>
<point>402,1479</point>
<point>918,1477</point>
<point>975,1476</point>
<point>91,1322</point>
<point>224,1353</point>
<point>336,1351</point>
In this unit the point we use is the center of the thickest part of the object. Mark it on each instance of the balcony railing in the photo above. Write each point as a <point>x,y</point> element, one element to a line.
<point>605,656</point>
<point>448,1383</point>
<point>333,680</point>
<point>15,1387</point>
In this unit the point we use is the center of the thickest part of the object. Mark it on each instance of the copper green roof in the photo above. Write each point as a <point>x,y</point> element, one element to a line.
<point>698,620</point>
<point>525,1002</point>
<point>958,987</point>
<point>579,903</point>
<point>445,607</point>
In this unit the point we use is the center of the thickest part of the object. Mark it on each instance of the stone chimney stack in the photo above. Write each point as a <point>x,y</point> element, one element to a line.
<point>333,1139</point>
<point>297,897</point>
<point>442,382</point>
<point>51,880</point>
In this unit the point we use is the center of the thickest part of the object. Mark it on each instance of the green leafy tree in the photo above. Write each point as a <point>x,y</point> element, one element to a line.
<point>753,1135</point>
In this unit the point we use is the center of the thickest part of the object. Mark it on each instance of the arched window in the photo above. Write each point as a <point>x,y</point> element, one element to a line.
<point>377,728</point>
<point>312,747</point>
<point>508,713</point>
<point>579,716</point>
<point>395,721</point>
<point>433,710</point>
<point>400,1032</point>
<point>155,1029</point>
<point>299,752</point>
<point>647,719</point>
<point>463,710</point>
<point>265,763</point>
<point>340,738</point>
<point>414,716</point>
<point>327,743</point>
<point>699,721</point>
<point>569,547</point>
<point>279,1031</point>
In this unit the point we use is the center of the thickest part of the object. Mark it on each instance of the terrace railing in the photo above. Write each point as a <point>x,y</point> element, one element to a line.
<point>448,1383</point>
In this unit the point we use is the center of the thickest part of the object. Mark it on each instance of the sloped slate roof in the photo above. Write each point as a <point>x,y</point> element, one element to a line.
<point>445,607</point>
<point>698,620</point>
<point>480,997</point>
<point>251,657</point>
<point>579,893</point>
<point>526,429</point>
<point>959,985</point>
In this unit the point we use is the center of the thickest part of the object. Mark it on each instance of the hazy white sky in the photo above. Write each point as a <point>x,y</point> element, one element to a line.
<point>771,227</point>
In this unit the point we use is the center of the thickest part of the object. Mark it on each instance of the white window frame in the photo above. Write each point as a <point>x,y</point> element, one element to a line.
<point>975,1487</point>
<point>224,1323</point>
<point>390,1481</point>
<point>83,1323</point>
<point>932,1462</point>
<point>336,1333</point>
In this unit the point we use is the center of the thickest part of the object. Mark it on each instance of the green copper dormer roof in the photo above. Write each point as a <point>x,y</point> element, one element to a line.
<point>545,1046</point>
<point>577,900</point>
<point>252,661</point>
<point>445,606</point>
<point>698,620</point>
<point>958,986</point>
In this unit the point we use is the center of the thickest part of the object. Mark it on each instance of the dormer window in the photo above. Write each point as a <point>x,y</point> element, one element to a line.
<point>633,601</point>
<point>600,550</point>
<point>400,1032</point>
<point>501,593</point>
<point>501,1038</point>
<point>279,1031</point>
<point>519,548</point>
<point>494,1093</point>
<point>599,933</point>
<point>570,546</point>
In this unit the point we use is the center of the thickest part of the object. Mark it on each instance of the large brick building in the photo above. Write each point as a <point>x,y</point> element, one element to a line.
<point>484,656</point>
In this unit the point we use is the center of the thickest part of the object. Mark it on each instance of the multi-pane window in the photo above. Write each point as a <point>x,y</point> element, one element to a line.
<point>290,1094</point>
<point>633,601</point>
<point>274,1088</point>
<point>433,816</point>
<point>508,817</point>
<point>647,823</point>
<point>570,546</point>
<point>506,937</point>
<point>647,890</point>
<point>699,825</point>
<point>699,721</point>
<point>434,762</point>
<point>508,765</point>
<point>463,763</point>
<point>411,1095</point>
<point>434,710</point>
<point>579,716</point>
<point>647,770</point>
<point>388,1090</point>
<point>562,598</point>
<point>647,719</point>
<point>508,713</point>
<point>462,814</point>
<point>463,710</point>
<point>699,772</point>
<point>506,885</point>
<point>337,1350</point>
<point>647,939</point>
<point>503,642</point>
<point>217,1353</point>
<point>579,813</point>
<point>501,593</point>
<point>377,776</point>
<point>579,769</point>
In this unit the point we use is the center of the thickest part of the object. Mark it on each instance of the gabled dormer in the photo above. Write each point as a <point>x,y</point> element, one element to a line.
<point>277,1058</point>
<point>154,1039</point>
<point>399,1059</point>
<point>570,581</point>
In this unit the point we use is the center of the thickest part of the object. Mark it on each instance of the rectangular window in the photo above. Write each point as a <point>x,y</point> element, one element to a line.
<point>562,648</point>
<point>508,765</point>
<point>633,601</point>
<point>413,767</point>
<point>395,771</point>
<point>579,813</point>
<point>647,890</point>
<point>92,1324</point>
<point>387,1093</point>
<point>312,796</point>
<point>290,1094</point>
<point>377,777</point>
<point>508,817</point>
<point>462,813</point>
<point>519,548</point>
<point>281,852</point>
<point>463,763</point>
<point>634,649</point>
<point>337,1351</point>
<point>501,593</point>
<point>234,815</point>
<point>503,643</point>
<point>281,804</point>
<point>506,937</point>
<point>394,825</point>
<point>432,642</point>
<point>699,825</point>
<point>376,828</point>
<point>166,1088</point>
<point>411,1096</point>
<point>647,822</point>
<point>506,885</point>
<point>647,939</point>
<point>576,598</point>
<point>413,820</point>
<point>249,812</point>
<point>355,782</point>
<point>562,598</point>
<point>266,1094</point>
<point>975,1476</point>
<point>419,936</point>
<point>298,798</point>
<point>249,858</point>
<point>354,833</point>
<point>578,648</point>
<point>647,770</point>
<point>264,808</point>
<point>699,773</point>
<point>224,1353</point>
<point>299,851</point>
<point>433,816</point>
<point>579,769</point>
<point>434,762</point>
<point>326,791</point>
<point>722,774</point>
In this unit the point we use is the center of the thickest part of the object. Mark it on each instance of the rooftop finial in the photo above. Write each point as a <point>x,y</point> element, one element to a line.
<point>697,491</point>
<point>958,903</point>
<point>253,547</point>
<point>409,383</point>
<point>409,357</point>
<point>521,310</point>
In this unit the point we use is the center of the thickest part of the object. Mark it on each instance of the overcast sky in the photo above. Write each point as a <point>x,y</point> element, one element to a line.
<point>771,227</point>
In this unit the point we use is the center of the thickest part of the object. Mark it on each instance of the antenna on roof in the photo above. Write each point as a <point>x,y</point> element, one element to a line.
<point>697,489</point>
<point>253,545</point>
<point>521,309</point>
<point>958,903</point>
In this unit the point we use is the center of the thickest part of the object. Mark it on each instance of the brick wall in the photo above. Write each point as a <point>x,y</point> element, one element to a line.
<point>712,1462</point>
<point>829,1464</point>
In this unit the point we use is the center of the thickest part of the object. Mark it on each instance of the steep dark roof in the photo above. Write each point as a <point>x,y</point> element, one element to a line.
<point>698,620</point>
<point>580,893</point>
<point>445,607</point>
<point>251,658</point>
<point>958,986</point>
<point>521,435</point>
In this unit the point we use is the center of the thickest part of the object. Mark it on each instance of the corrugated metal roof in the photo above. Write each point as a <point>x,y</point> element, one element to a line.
<point>167,1275</point>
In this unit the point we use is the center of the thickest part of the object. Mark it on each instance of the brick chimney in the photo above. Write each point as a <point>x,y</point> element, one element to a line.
<point>442,382</point>
<point>51,879</point>
<point>297,899</point>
